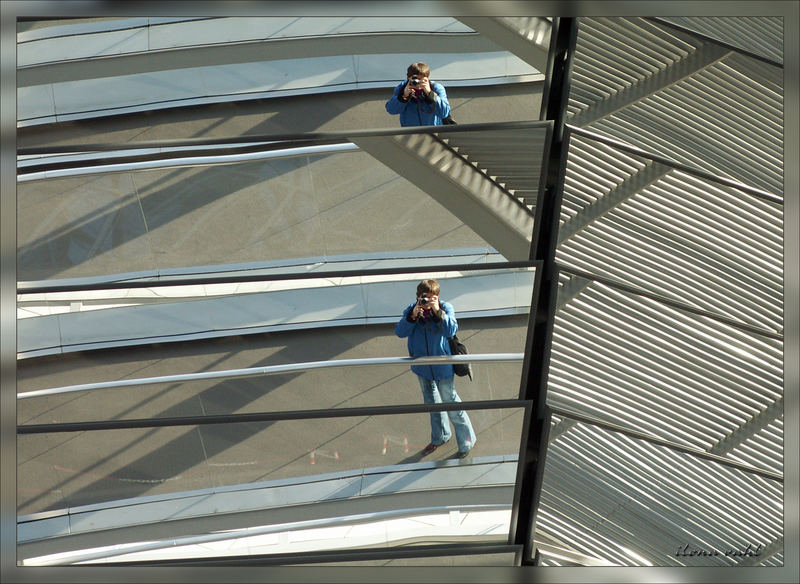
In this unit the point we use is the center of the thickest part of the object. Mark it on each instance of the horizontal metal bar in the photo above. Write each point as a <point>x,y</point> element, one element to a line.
<point>166,158</point>
<point>315,136</point>
<point>360,554</point>
<point>178,280</point>
<point>683,306</point>
<point>124,549</point>
<point>260,417</point>
<point>639,435</point>
<point>714,40</point>
<point>614,143</point>
<point>275,370</point>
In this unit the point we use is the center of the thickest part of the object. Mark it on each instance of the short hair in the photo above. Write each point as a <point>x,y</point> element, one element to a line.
<point>420,69</point>
<point>428,287</point>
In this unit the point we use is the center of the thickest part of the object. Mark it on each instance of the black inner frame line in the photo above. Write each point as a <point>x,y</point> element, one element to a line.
<point>533,386</point>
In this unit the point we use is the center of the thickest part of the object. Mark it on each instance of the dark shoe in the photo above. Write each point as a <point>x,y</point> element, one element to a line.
<point>460,454</point>
<point>429,448</point>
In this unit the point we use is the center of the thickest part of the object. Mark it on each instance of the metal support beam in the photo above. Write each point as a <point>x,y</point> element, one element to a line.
<point>204,420</point>
<point>561,428</point>
<point>571,287</point>
<point>646,437</point>
<point>528,38</point>
<point>537,352</point>
<point>704,57</point>
<point>488,209</point>
<point>624,191</point>
<point>747,430</point>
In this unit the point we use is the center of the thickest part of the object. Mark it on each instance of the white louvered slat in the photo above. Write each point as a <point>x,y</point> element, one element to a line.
<point>608,361</point>
<point>633,361</point>
<point>760,35</point>
<point>604,493</point>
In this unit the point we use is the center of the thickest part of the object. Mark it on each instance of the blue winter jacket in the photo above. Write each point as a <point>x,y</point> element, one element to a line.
<point>429,339</point>
<point>420,112</point>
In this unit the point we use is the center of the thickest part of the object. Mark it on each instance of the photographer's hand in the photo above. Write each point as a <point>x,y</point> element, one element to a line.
<point>425,85</point>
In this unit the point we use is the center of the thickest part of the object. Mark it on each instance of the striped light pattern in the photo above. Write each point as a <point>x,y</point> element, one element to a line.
<point>669,323</point>
<point>761,35</point>
<point>640,364</point>
<point>689,100</point>
<point>505,156</point>
<point>633,503</point>
<point>674,234</point>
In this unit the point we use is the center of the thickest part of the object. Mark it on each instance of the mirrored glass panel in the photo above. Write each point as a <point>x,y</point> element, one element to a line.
<point>348,467</point>
<point>287,321</point>
<point>348,198</point>
<point>300,207</point>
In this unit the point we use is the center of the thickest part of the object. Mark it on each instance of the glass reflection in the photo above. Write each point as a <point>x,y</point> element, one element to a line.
<point>337,387</point>
<point>312,206</point>
<point>265,464</point>
<point>297,321</point>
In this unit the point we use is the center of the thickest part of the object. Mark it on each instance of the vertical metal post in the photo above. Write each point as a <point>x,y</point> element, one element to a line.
<point>543,248</point>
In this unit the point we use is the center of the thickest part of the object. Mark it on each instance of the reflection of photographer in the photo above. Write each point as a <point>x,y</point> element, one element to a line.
<point>418,100</point>
<point>428,324</point>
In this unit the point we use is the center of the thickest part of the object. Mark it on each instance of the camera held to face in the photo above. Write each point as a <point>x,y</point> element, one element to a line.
<point>416,92</point>
<point>425,308</point>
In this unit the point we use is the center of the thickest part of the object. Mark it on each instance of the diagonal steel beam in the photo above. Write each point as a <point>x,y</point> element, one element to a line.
<point>561,428</point>
<point>707,55</point>
<point>528,38</point>
<point>483,205</point>
<point>571,288</point>
<point>625,190</point>
<point>747,430</point>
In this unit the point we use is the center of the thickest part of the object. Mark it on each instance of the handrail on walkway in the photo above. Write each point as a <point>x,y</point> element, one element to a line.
<point>275,370</point>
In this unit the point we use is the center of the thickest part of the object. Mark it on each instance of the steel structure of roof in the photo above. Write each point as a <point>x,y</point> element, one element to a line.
<point>670,318</point>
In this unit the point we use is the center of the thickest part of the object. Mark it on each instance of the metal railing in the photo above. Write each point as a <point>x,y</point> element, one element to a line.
<point>275,370</point>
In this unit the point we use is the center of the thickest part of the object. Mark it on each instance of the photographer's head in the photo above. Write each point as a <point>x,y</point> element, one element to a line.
<point>428,288</point>
<point>418,80</point>
<point>418,70</point>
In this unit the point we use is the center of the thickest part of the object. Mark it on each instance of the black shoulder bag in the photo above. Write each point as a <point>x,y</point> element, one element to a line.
<point>458,348</point>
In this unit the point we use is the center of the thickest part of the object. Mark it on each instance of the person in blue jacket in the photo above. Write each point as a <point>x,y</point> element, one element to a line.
<point>418,100</point>
<point>428,324</point>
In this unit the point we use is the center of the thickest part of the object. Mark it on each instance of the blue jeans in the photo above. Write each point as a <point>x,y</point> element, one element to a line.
<point>444,390</point>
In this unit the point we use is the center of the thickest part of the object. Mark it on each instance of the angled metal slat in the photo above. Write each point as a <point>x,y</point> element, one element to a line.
<point>629,364</point>
<point>760,35</point>
<point>604,495</point>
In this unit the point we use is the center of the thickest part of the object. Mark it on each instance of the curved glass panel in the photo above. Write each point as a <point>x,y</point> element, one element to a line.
<point>359,470</point>
<point>314,207</point>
